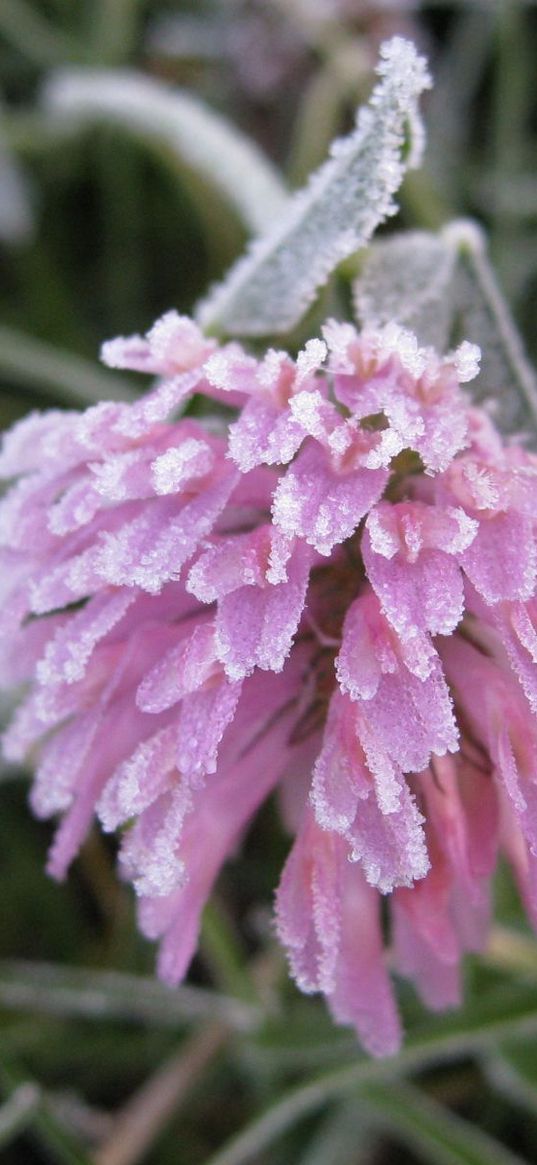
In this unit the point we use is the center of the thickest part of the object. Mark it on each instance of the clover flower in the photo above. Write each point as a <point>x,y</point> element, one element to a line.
<point>332,594</point>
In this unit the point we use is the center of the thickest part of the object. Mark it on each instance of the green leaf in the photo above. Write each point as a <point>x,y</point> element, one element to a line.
<point>270,288</point>
<point>43,368</point>
<point>114,28</point>
<point>434,1133</point>
<point>180,36</point>
<point>190,131</point>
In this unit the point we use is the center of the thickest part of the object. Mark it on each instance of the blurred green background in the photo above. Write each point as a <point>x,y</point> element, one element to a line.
<point>107,219</point>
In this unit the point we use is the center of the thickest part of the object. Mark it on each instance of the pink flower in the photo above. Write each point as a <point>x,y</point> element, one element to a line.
<point>334,596</point>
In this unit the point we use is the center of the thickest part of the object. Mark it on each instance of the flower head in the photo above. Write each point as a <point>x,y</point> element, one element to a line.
<point>339,583</point>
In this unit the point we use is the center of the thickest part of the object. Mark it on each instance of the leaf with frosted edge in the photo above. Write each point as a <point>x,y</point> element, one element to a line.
<point>443,288</point>
<point>194,133</point>
<point>271,287</point>
<point>483,316</point>
<point>409,278</point>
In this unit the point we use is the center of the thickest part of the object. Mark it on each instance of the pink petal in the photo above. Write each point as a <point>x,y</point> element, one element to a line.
<point>153,548</point>
<point>255,626</point>
<point>408,553</point>
<point>264,434</point>
<point>183,669</point>
<point>502,560</point>
<point>204,717</point>
<point>516,625</point>
<point>363,994</point>
<point>140,780</point>
<point>308,907</point>
<point>390,846</point>
<point>314,502</point>
<point>66,657</point>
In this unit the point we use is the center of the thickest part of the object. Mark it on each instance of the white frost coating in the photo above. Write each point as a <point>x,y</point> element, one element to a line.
<point>466,359</point>
<point>271,287</point>
<point>194,133</point>
<point>177,465</point>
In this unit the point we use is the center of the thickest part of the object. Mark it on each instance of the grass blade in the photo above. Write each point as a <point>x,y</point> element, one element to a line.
<point>436,1134</point>
<point>192,133</point>
<point>43,368</point>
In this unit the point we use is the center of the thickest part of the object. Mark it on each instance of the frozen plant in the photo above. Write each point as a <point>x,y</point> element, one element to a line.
<point>333,595</point>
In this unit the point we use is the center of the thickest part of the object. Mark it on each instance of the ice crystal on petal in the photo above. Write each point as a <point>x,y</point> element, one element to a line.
<point>332,592</point>
<point>315,502</point>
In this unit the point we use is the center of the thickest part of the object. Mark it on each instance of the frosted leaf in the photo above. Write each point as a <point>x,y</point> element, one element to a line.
<point>191,133</point>
<point>443,287</point>
<point>272,286</point>
<point>408,278</point>
<point>483,316</point>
